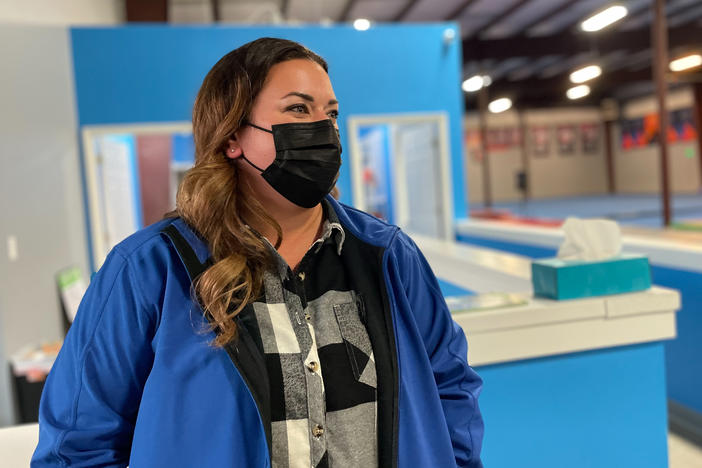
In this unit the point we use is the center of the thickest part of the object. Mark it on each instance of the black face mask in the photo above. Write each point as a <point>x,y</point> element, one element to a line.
<point>307,161</point>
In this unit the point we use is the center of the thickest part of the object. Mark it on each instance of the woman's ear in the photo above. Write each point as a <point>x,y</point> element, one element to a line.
<point>233,149</point>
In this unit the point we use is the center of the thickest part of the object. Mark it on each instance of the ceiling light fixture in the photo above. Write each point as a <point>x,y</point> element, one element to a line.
<point>362,24</point>
<point>685,63</point>
<point>475,83</point>
<point>604,18</point>
<point>500,105</point>
<point>577,92</point>
<point>584,74</point>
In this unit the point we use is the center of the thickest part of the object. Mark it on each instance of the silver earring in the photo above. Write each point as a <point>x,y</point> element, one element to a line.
<point>231,150</point>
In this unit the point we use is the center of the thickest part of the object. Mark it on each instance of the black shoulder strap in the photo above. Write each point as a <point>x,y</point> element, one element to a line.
<point>186,252</point>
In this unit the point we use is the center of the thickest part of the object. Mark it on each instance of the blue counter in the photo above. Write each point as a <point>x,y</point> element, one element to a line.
<point>600,408</point>
<point>673,265</point>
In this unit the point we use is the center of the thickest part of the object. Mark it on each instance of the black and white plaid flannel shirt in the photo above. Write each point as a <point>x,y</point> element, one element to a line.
<point>310,328</point>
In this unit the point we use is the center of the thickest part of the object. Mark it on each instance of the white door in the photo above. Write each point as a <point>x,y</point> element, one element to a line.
<point>420,183</point>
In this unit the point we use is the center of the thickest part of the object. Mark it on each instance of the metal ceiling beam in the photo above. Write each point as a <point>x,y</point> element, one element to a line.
<point>636,15</point>
<point>151,11</point>
<point>551,92</point>
<point>501,16</point>
<point>684,10</point>
<point>459,10</point>
<point>533,67</point>
<point>545,98</point>
<point>344,16</point>
<point>506,67</point>
<point>546,15</point>
<point>558,85</point>
<point>576,22</point>
<point>539,102</point>
<point>405,10</point>
<point>643,10</point>
<point>569,43</point>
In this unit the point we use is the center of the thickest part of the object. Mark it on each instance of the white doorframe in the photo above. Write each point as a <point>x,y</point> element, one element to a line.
<point>90,159</point>
<point>400,198</point>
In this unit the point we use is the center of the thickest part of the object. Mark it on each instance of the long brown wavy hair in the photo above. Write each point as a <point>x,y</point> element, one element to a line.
<point>214,199</point>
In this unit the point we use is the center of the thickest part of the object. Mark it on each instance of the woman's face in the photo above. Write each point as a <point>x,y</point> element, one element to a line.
<point>295,91</point>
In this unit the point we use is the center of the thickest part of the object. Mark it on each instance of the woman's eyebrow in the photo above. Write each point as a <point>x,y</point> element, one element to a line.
<point>304,96</point>
<point>307,97</point>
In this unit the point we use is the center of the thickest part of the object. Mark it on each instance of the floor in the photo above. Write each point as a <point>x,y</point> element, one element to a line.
<point>683,454</point>
<point>628,210</point>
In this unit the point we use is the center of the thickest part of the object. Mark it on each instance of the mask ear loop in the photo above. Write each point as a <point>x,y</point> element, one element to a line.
<point>246,122</point>
<point>250,163</point>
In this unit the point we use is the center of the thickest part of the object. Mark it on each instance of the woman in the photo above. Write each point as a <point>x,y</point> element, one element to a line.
<point>325,340</point>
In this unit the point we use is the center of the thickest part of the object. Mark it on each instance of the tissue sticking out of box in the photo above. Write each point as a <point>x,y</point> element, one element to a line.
<point>590,239</point>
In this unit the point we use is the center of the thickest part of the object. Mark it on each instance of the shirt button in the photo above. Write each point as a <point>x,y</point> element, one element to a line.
<point>313,366</point>
<point>308,317</point>
<point>317,431</point>
<point>301,276</point>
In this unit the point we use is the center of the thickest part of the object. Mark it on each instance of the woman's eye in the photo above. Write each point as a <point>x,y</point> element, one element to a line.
<point>298,108</point>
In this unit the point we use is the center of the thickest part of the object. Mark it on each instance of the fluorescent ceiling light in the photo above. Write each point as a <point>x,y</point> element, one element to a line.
<point>585,74</point>
<point>685,63</point>
<point>362,24</point>
<point>604,18</point>
<point>499,105</point>
<point>474,83</point>
<point>578,92</point>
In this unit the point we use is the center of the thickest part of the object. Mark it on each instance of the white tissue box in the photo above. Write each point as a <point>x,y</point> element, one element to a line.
<point>570,279</point>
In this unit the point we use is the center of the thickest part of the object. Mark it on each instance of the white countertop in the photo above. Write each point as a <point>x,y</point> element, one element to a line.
<point>543,327</point>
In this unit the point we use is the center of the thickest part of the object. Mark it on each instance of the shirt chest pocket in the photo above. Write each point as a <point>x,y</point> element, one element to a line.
<point>356,341</point>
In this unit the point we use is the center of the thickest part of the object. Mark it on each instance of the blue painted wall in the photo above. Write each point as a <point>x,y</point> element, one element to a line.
<point>152,73</point>
<point>682,355</point>
<point>604,408</point>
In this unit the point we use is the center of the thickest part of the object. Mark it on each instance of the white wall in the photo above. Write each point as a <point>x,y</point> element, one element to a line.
<point>40,187</point>
<point>638,170</point>
<point>62,12</point>
<point>550,176</point>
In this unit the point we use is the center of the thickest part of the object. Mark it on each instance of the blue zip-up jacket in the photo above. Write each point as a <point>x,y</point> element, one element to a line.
<point>138,383</point>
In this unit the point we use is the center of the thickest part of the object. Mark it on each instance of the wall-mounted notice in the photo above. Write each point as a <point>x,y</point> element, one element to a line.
<point>72,287</point>
<point>540,141</point>
<point>590,138</point>
<point>644,131</point>
<point>503,138</point>
<point>567,139</point>
<point>471,141</point>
